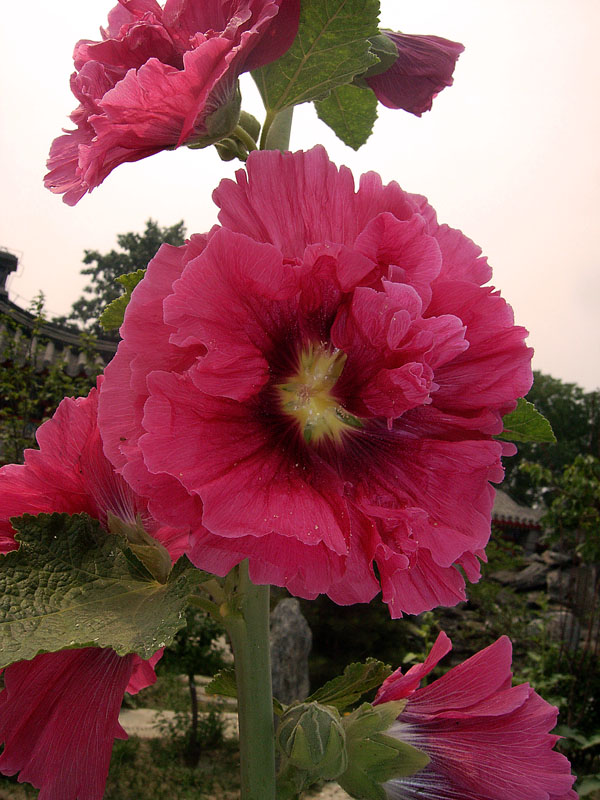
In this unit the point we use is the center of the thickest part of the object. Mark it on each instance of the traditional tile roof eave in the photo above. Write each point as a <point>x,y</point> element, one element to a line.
<point>508,512</point>
<point>67,338</point>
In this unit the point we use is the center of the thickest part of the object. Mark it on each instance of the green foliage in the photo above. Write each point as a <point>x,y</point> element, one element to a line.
<point>499,609</point>
<point>573,516</point>
<point>350,111</point>
<point>346,634</point>
<point>357,680</point>
<point>70,584</point>
<point>29,389</point>
<point>526,424</point>
<point>332,47</point>
<point>134,253</point>
<point>223,683</point>
<point>193,733</point>
<point>193,651</point>
<point>574,415</point>
<point>112,316</point>
<point>569,680</point>
<point>158,769</point>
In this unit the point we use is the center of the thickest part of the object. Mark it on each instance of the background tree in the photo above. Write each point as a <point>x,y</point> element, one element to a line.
<point>575,418</point>
<point>193,653</point>
<point>135,251</point>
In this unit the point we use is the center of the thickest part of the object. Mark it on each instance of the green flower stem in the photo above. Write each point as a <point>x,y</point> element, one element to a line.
<point>245,138</point>
<point>276,130</point>
<point>247,624</point>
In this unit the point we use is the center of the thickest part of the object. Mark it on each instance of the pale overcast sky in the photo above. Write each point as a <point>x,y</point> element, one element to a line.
<point>509,154</point>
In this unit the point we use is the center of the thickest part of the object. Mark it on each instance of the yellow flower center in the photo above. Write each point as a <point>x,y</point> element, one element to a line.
<point>307,396</point>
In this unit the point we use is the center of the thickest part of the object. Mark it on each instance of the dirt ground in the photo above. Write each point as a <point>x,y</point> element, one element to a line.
<point>146,723</point>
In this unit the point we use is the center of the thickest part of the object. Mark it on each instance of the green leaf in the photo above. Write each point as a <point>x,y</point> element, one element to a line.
<point>525,424</point>
<point>70,584</point>
<point>357,679</point>
<point>373,756</point>
<point>350,112</point>
<point>331,47</point>
<point>112,316</point>
<point>223,683</point>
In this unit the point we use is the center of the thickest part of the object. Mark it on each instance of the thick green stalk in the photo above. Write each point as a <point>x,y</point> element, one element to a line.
<point>276,130</point>
<point>248,628</point>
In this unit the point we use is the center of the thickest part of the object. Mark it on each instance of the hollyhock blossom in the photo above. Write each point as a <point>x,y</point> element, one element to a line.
<point>486,739</point>
<point>423,68</point>
<point>59,711</point>
<point>160,78</point>
<point>317,383</point>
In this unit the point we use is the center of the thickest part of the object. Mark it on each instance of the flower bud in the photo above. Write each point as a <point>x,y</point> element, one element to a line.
<point>311,738</point>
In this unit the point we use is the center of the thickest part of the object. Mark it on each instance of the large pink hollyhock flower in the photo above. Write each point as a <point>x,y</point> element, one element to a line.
<point>59,711</point>
<point>160,78</point>
<point>318,382</point>
<point>423,68</point>
<point>487,739</point>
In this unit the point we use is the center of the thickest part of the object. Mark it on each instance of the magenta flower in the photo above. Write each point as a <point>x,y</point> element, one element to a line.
<point>487,739</point>
<point>59,712</point>
<point>317,383</point>
<point>157,78</point>
<point>423,68</point>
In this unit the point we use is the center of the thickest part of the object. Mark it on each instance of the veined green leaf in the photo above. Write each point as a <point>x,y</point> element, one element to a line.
<point>357,679</point>
<point>330,49</point>
<point>71,584</point>
<point>112,316</point>
<point>526,424</point>
<point>350,112</point>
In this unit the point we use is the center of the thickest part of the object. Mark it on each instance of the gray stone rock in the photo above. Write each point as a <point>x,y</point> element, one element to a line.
<point>586,588</point>
<point>563,626</point>
<point>555,559</point>
<point>532,577</point>
<point>559,585</point>
<point>557,626</point>
<point>291,640</point>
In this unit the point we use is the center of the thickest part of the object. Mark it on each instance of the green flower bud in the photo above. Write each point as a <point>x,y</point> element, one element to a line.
<point>221,123</point>
<point>250,124</point>
<point>311,738</point>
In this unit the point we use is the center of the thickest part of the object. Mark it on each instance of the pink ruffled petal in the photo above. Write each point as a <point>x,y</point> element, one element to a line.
<point>142,672</point>
<point>406,247</point>
<point>237,274</point>
<point>399,686</point>
<point>259,204</point>
<point>164,75</point>
<point>371,319</point>
<point>292,503</point>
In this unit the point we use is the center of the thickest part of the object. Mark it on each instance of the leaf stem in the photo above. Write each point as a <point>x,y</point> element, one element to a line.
<point>276,130</point>
<point>245,138</point>
<point>205,604</point>
<point>248,627</point>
